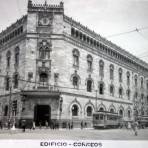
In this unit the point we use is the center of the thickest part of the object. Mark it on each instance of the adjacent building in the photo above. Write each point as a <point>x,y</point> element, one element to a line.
<point>54,69</point>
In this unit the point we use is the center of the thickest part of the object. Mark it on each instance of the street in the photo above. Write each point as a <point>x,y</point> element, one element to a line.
<point>75,134</point>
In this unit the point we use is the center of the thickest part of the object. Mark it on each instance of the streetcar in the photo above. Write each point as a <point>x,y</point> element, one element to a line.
<point>143,121</point>
<point>104,119</point>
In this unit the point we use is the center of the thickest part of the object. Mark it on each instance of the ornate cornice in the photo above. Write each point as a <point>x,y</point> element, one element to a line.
<point>13,26</point>
<point>13,41</point>
<point>104,41</point>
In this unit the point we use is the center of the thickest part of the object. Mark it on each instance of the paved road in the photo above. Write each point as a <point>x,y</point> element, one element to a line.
<point>76,134</point>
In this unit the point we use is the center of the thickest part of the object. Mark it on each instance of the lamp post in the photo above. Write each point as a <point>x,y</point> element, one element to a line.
<point>10,104</point>
<point>60,104</point>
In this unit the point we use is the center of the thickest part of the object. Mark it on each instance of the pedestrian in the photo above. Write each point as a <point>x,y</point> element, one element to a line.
<point>23,125</point>
<point>85,124</point>
<point>33,125</point>
<point>1,126</point>
<point>71,125</point>
<point>129,125</point>
<point>9,124</point>
<point>46,124</point>
<point>81,124</point>
<point>40,125</point>
<point>121,125</point>
<point>135,128</point>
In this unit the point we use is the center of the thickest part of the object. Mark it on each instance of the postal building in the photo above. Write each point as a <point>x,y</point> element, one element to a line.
<point>54,69</point>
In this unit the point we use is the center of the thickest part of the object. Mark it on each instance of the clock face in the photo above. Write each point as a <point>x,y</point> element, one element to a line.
<point>45,21</point>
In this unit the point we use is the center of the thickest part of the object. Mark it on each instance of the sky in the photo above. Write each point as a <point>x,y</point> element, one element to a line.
<point>105,17</point>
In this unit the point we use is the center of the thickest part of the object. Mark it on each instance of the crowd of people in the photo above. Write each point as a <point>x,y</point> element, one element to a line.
<point>134,125</point>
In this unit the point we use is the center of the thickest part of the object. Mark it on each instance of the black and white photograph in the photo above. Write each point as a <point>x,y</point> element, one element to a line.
<point>74,70</point>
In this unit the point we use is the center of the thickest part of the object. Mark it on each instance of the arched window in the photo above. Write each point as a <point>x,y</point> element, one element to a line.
<point>142,99</point>
<point>75,110</point>
<point>44,53</point>
<point>101,68</point>
<point>17,50</point>
<point>76,57</point>
<point>75,82</point>
<point>120,92</point>
<point>111,72</point>
<point>101,88</point>
<point>72,31</point>
<point>8,57</point>
<point>89,62</point>
<point>16,78</point>
<point>89,85</point>
<point>112,90</point>
<point>75,79</point>
<point>112,110</point>
<point>128,92</point>
<point>136,80</point>
<point>44,50</point>
<point>121,112</point>
<point>101,109</point>
<point>77,34</point>
<point>128,78</point>
<point>129,114</point>
<point>43,78</point>
<point>89,111</point>
<point>120,74</point>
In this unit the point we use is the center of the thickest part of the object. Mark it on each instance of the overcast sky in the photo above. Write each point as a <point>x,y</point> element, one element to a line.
<point>105,17</point>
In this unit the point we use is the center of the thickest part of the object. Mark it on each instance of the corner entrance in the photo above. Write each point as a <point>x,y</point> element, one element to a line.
<point>42,113</point>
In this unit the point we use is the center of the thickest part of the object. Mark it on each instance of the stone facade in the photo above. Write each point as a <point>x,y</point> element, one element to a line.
<point>64,71</point>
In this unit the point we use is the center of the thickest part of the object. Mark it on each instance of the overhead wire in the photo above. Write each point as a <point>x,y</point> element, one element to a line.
<point>127,32</point>
<point>64,87</point>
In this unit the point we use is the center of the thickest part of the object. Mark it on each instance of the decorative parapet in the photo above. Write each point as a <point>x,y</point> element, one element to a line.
<point>45,7</point>
<point>14,25</point>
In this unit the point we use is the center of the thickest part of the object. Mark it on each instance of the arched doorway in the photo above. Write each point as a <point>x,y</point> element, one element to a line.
<point>42,113</point>
<point>43,77</point>
<point>75,110</point>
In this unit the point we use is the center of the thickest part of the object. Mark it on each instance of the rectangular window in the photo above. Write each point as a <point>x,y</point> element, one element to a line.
<point>89,66</point>
<point>17,59</point>
<point>14,107</point>
<point>8,62</point>
<point>7,83</point>
<point>128,80</point>
<point>76,61</point>
<point>120,77</point>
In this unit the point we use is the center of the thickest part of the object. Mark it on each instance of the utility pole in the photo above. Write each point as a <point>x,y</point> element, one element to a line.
<point>96,100</point>
<point>10,104</point>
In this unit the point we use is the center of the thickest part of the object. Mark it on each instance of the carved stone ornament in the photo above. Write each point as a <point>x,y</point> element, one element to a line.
<point>45,19</point>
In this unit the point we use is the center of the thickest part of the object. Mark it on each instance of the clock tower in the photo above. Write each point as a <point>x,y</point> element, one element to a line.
<point>44,26</point>
<point>45,18</point>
